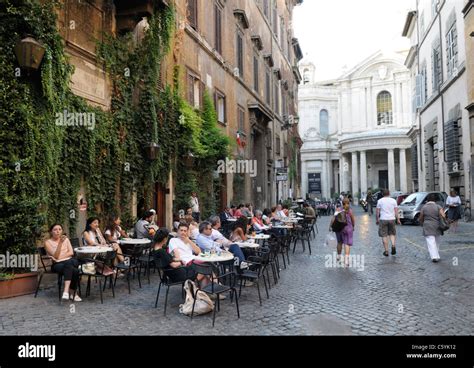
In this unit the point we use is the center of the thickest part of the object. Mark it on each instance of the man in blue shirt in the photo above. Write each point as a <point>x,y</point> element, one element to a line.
<point>207,241</point>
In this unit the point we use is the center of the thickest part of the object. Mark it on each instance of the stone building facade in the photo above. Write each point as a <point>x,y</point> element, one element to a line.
<point>355,128</point>
<point>242,51</point>
<point>437,61</point>
<point>468,13</point>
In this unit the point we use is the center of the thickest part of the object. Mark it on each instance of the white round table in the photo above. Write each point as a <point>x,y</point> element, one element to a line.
<point>93,250</point>
<point>248,245</point>
<point>214,258</point>
<point>260,237</point>
<point>129,241</point>
<point>282,227</point>
<point>232,220</point>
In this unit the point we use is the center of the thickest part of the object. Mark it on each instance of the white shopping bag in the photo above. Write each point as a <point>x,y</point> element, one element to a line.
<point>331,240</point>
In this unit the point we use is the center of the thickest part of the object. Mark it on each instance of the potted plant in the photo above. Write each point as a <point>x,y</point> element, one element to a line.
<point>16,284</point>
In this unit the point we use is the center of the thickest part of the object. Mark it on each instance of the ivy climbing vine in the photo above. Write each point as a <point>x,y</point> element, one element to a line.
<point>43,164</point>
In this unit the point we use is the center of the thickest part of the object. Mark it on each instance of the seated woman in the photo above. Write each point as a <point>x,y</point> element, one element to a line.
<point>241,228</point>
<point>267,216</point>
<point>257,222</point>
<point>172,267</point>
<point>193,227</point>
<point>59,248</point>
<point>113,231</point>
<point>93,237</point>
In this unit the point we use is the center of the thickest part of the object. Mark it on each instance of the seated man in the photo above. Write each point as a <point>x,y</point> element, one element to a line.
<point>217,237</point>
<point>142,227</point>
<point>182,248</point>
<point>226,215</point>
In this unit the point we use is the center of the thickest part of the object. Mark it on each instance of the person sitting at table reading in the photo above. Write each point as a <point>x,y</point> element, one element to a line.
<point>280,214</point>
<point>59,248</point>
<point>172,267</point>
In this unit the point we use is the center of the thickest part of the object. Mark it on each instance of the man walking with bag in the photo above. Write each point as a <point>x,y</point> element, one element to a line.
<point>387,218</point>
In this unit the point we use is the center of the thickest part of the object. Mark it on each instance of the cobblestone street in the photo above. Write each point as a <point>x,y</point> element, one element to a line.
<point>401,295</point>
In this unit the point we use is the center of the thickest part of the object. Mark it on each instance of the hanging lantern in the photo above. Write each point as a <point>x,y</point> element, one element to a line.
<point>29,53</point>
<point>152,150</point>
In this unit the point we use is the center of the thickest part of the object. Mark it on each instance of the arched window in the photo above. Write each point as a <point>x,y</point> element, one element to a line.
<point>384,108</point>
<point>324,123</point>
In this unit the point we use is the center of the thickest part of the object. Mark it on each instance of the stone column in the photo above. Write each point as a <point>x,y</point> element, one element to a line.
<point>355,177</point>
<point>363,172</point>
<point>344,174</point>
<point>304,178</point>
<point>403,170</point>
<point>391,170</point>
<point>325,179</point>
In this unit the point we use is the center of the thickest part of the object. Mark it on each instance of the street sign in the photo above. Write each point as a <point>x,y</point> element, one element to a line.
<point>282,174</point>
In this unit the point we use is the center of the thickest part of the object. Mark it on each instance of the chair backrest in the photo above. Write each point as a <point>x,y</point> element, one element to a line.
<point>75,243</point>
<point>43,255</point>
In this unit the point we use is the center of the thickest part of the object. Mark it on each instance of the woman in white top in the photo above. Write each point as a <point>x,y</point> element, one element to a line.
<point>113,231</point>
<point>454,211</point>
<point>93,237</point>
<point>59,248</point>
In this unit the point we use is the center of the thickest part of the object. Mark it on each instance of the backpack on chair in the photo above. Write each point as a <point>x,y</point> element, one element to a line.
<point>204,304</point>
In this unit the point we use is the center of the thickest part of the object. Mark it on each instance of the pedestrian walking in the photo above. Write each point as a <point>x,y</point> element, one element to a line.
<point>453,202</point>
<point>387,218</point>
<point>430,216</point>
<point>348,231</point>
<point>337,231</point>
<point>370,203</point>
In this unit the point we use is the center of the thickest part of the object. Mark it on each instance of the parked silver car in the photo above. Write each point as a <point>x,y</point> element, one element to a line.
<point>409,210</point>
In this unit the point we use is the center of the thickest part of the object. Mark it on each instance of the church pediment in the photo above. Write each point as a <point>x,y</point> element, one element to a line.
<point>379,66</point>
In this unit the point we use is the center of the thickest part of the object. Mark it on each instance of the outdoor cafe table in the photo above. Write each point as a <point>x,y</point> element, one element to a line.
<point>231,220</point>
<point>92,251</point>
<point>215,258</point>
<point>129,241</point>
<point>260,237</point>
<point>248,245</point>
<point>282,227</point>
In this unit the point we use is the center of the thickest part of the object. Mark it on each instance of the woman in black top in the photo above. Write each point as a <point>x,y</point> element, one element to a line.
<point>172,268</point>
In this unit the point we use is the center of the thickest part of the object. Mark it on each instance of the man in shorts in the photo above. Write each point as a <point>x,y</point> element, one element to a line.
<point>387,218</point>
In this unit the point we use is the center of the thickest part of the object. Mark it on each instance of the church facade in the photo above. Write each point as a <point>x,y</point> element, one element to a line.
<point>354,128</point>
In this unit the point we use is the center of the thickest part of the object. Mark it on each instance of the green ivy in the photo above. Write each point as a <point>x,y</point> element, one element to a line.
<point>42,164</point>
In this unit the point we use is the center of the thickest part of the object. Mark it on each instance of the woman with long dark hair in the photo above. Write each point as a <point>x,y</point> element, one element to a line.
<point>59,248</point>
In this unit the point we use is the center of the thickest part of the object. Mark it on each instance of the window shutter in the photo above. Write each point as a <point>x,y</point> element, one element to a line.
<point>190,89</point>
<point>192,13</point>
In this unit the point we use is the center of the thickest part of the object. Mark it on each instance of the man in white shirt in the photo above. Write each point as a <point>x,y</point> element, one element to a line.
<point>387,217</point>
<point>182,248</point>
<point>194,204</point>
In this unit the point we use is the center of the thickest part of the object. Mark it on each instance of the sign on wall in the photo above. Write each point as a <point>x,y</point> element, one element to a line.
<point>314,183</point>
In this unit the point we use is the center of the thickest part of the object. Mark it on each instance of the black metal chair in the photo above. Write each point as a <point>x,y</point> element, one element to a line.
<point>162,267</point>
<point>47,269</point>
<point>255,272</point>
<point>302,233</point>
<point>217,289</point>
<point>131,264</point>
<point>104,270</point>
<point>148,261</point>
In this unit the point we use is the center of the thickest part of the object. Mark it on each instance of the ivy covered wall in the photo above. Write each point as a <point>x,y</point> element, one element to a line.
<point>42,164</point>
